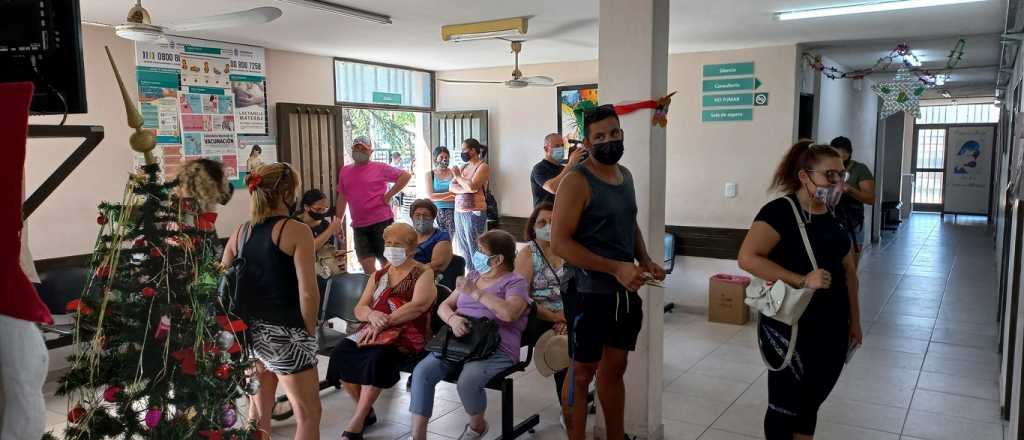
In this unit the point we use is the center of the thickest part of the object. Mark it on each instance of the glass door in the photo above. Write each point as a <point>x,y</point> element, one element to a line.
<point>929,168</point>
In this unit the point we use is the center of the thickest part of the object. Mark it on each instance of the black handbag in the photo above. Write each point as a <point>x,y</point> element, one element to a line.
<point>480,343</point>
<point>228,290</point>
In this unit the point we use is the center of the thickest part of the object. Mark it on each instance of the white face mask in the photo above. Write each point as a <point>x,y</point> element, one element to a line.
<point>360,156</point>
<point>543,233</point>
<point>394,255</point>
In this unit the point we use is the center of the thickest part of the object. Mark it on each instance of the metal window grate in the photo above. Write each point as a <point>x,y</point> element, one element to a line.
<point>959,114</point>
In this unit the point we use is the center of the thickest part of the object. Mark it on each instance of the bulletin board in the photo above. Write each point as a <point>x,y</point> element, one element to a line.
<point>204,99</point>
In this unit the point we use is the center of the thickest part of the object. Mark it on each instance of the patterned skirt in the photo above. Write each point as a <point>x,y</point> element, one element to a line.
<point>282,350</point>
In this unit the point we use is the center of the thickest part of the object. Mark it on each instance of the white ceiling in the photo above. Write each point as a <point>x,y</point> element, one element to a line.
<point>570,27</point>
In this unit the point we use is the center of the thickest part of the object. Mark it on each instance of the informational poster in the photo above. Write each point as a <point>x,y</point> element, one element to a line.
<point>208,128</point>
<point>250,103</point>
<point>968,180</point>
<point>254,151</point>
<point>198,95</point>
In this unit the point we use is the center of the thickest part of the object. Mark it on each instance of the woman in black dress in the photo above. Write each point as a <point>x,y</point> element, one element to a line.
<point>811,176</point>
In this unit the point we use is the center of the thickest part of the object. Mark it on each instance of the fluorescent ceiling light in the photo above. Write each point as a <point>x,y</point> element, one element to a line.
<point>485,36</point>
<point>866,7</point>
<point>346,11</point>
<point>940,79</point>
<point>508,28</point>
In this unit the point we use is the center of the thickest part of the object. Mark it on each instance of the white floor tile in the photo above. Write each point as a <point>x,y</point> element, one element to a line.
<point>708,387</point>
<point>933,426</point>
<point>981,410</point>
<point>960,385</point>
<point>716,434</point>
<point>716,367</point>
<point>835,431</point>
<point>743,419</point>
<point>698,411</point>
<point>863,415</point>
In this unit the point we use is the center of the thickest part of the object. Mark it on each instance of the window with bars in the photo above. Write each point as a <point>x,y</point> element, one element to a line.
<point>959,114</point>
<point>929,166</point>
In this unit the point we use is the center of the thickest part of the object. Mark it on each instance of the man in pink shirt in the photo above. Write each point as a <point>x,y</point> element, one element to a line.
<point>363,186</point>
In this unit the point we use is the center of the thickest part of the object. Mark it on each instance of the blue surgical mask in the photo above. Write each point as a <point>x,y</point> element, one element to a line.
<point>481,262</point>
<point>558,154</point>
<point>543,233</point>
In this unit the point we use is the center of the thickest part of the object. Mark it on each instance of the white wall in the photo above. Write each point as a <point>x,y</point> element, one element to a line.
<point>702,157</point>
<point>65,223</point>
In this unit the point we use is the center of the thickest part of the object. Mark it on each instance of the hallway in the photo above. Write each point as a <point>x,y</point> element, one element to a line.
<point>928,369</point>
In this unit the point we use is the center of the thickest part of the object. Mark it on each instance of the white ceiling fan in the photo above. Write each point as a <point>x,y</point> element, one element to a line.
<point>518,80</point>
<point>139,27</point>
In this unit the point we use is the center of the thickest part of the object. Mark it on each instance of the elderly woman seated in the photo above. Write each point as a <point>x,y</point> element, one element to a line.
<point>433,245</point>
<point>395,308</point>
<point>492,290</point>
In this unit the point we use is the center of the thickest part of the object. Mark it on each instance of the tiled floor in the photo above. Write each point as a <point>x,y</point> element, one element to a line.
<point>927,370</point>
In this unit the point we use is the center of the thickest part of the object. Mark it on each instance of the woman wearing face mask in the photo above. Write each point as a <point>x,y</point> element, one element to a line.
<point>315,214</point>
<point>437,183</point>
<point>811,176</point>
<point>396,309</point>
<point>545,272</point>
<point>469,186</point>
<point>279,299</point>
<point>492,290</point>
<point>433,245</point>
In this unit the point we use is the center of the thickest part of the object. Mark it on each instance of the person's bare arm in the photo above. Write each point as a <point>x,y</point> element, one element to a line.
<point>477,181</point>
<point>853,289</point>
<point>753,256</point>
<point>441,256</point>
<point>864,192</point>
<point>572,196</point>
<point>552,184</point>
<point>325,236</point>
<point>524,265</point>
<point>428,185</point>
<point>400,183</point>
<point>342,203</point>
<point>228,258</point>
<point>506,309</point>
<point>642,257</point>
<point>362,310</point>
<point>298,235</point>
<point>423,295</point>
<point>446,309</point>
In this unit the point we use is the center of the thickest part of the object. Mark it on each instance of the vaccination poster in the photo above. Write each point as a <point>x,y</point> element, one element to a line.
<point>968,170</point>
<point>208,128</point>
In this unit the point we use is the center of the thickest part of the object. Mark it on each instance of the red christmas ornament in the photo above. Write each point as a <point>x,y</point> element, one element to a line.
<point>188,360</point>
<point>103,271</point>
<point>112,393</point>
<point>76,414</point>
<point>102,220</point>
<point>76,305</point>
<point>155,252</point>
<point>186,313</point>
<point>140,243</point>
<point>223,372</point>
<point>163,328</point>
<point>212,435</point>
<point>148,292</point>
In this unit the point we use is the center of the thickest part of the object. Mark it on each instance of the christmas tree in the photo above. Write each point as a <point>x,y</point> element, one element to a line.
<point>158,354</point>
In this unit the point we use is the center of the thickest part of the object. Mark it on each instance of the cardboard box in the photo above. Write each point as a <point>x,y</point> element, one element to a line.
<point>725,299</point>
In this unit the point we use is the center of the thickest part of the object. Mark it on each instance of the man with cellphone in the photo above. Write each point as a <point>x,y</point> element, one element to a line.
<point>550,171</point>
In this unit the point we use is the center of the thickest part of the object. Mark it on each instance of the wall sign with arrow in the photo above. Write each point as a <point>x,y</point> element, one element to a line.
<point>729,92</point>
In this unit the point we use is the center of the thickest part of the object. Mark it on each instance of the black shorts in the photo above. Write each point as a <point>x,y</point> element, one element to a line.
<point>598,320</point>
<point>369,240</point>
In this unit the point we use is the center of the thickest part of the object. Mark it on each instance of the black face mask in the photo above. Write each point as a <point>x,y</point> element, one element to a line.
<point>609,152</point>
<point>466,157</point>
<point>317,215</point>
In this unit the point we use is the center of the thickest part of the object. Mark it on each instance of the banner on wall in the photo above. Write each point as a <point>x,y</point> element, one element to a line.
<point>968,179</point>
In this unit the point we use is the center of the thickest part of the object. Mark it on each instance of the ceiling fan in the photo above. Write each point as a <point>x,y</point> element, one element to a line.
<point>518,81</point>
<point>139,27</point>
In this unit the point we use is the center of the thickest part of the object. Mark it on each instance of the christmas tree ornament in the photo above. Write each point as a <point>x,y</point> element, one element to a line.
<point>229,417</point>
<point>103,271</point>
<point>155,252</point>
<point>76,414</point>
<point>112,393</point>
<point>252,386</point>
<point>101,220</point>
<point>153,416</point>
<point>163,328</point>
<point>902,94</point>
<point>223,372</point>
<point>148,292</point>
<point>225,340</point>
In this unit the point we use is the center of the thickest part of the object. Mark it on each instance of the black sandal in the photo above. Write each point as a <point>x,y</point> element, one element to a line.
<point>370,420</point>
<point>351,436</point>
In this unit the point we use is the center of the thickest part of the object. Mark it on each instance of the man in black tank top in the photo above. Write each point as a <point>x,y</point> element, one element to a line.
<point>594,228</point>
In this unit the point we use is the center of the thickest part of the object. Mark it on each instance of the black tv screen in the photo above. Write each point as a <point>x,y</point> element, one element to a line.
<point>41,42</point>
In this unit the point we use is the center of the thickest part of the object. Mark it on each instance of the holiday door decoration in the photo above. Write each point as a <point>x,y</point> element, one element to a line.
<point>158,356</point>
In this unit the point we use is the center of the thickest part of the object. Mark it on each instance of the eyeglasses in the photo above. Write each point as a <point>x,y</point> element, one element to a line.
<point>833,176</point>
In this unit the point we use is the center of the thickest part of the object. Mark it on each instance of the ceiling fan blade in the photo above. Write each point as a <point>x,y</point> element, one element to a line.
<point>232,19</point>
<point>459,81</point>
<point>538,80</point>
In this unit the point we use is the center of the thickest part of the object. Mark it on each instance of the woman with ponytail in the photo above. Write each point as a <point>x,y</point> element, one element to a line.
<point>811,177</point>
<point>279,298</point>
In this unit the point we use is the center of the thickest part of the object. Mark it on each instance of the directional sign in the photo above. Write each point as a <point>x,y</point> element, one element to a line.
<point>757,84</point>
<point>729,100</point>
<point>760,99</point>
<point>728,85</point>
<point>731,69</point>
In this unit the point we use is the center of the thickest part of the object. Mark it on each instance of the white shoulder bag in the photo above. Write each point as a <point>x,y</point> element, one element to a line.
<point>779,301</point>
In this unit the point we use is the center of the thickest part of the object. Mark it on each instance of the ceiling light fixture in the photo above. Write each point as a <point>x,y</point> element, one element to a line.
<point>346,11</point>
<point>507,28</point>
<point>863,8</point>
<point>940,79</point>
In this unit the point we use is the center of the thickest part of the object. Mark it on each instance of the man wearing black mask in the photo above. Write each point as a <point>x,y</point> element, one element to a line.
<point>595,230</point>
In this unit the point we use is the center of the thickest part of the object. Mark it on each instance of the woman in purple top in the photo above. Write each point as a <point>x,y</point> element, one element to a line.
<point>491,290</point>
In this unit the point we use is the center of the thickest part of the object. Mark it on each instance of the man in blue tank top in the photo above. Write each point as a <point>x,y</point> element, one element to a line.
<point>595,230</point>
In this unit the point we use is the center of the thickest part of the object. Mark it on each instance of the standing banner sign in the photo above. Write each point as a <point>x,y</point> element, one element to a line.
<point>969,169</point>
<point>181,79</point>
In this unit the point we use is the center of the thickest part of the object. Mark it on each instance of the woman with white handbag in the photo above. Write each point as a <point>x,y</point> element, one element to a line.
<point>805,287</point>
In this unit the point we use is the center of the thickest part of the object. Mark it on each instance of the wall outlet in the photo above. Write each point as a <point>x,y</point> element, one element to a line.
<point>730,190</point>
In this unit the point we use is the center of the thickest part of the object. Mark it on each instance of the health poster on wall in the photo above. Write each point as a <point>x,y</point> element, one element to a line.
<point>968,179</point>
<point>158,103</point>
<point>250,103</point>
<point>254,151</point>
<point>208,128</point>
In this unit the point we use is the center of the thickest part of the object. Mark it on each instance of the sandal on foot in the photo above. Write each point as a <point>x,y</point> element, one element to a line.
<point>370,420</point>
<point>351,436</point>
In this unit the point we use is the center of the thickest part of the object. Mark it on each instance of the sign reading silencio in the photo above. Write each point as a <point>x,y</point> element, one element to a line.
<point>387,98</point>
<point>731,69</point>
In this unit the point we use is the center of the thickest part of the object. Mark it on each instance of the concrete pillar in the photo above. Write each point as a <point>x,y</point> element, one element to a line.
<point>633,65</point>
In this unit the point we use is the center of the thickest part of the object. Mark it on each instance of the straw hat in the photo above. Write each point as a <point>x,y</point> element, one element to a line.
<point>551,353</point>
